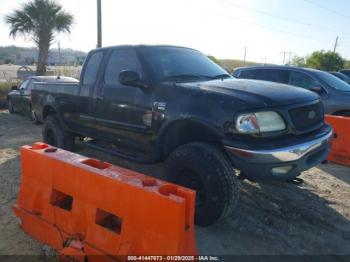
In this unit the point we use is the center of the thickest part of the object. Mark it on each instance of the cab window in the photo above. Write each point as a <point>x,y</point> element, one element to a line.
<point>300,79</point>
<point>24,84</point>
<point>90,73</point>
<point>121,59</point>
<point>274,75</point>
<point>92,67</point>
<point>248,74</point>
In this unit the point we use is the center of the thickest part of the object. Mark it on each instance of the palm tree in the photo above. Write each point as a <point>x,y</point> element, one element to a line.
<point>42,20</point>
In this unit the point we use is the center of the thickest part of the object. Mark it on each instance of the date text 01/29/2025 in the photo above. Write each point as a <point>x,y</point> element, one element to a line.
<point>172,258</point>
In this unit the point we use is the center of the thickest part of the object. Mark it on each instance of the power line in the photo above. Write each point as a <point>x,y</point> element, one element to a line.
<point>281,17</point>
<point>265,13</point>
<point>266,27</point>
<point>327,9</point>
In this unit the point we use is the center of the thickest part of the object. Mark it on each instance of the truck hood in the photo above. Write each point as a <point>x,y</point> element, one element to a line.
<point>259,93</point>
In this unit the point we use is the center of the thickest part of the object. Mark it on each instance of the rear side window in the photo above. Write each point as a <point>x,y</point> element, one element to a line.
<point>274,75</point>
<point>30,85</point>
<point>121,59</point>
<point>247,74</point>
<point>24,85</point>
<point>300,79</point>
<point>92,67</point>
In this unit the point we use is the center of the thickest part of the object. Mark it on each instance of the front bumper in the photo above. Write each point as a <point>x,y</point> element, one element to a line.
<point>262,165</point>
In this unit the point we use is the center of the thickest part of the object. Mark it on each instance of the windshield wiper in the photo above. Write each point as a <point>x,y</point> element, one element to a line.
<point>185,77</point>
<point>222,76</point>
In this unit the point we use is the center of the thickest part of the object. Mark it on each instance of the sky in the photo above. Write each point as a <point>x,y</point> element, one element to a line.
<point>223,28</point>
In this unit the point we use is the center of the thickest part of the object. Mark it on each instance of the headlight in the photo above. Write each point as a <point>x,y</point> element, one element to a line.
<point>260,122</point>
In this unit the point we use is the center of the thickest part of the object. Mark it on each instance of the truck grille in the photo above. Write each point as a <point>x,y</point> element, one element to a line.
<point>307,117</point>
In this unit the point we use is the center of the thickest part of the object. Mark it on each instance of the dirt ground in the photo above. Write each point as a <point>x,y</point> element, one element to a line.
<point>275,219</point>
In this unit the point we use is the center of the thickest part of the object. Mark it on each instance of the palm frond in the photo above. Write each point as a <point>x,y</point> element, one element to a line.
<point>39,17</point>
<point>20,23</point>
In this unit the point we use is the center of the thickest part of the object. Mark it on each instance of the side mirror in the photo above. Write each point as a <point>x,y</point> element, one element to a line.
<point>131,78</point>
<point>316,89</point>
<point>14,88</point>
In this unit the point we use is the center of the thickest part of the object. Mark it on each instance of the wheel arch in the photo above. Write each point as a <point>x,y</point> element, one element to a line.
<point>48,110</point>
<point>183,131</point>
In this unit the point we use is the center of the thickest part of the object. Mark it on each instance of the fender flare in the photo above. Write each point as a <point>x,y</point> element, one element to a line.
<point>187,120</point>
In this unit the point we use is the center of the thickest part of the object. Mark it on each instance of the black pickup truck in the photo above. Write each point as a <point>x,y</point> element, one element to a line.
<point>173,104</point>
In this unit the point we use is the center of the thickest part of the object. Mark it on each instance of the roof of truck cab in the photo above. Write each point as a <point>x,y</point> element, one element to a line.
<point>138,46</point>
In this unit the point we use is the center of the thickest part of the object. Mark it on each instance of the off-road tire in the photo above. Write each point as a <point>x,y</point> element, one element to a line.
<point>55,135</point>
<point>216,177</point>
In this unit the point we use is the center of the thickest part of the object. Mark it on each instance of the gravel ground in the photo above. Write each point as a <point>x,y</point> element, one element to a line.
<point>274,219</point>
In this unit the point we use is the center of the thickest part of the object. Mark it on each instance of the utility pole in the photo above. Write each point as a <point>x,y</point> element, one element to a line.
<point>289,57</point>
<point>284,56</point>
<point>245,53</point>
<point>336,44</point>
<point>99,24</point>
<point>59,53</point>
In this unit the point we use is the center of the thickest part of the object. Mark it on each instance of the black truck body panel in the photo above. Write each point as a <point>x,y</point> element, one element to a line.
<point>155,119</point>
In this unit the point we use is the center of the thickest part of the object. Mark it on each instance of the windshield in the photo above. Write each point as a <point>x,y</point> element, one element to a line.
<point>334,81</point>
<point>180,64</point>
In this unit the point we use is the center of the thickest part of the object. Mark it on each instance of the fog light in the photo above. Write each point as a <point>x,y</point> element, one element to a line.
<point>281,170</point>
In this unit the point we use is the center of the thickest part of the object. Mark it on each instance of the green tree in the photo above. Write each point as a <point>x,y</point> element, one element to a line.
<point>214,59</point>
<point>347,64</point>
<point>325,60</point>
<point>298,61</point>
<point>42,20</point>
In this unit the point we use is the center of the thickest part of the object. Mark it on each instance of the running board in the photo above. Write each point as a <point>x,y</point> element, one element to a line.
<point>129,156</point>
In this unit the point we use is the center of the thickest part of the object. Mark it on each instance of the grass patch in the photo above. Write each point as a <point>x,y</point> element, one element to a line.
<point>4,90</point>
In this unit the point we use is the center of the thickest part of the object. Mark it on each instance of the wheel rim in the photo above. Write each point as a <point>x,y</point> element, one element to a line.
<point>51,138</point>
<point>33,116</point>
<point>191,179</point>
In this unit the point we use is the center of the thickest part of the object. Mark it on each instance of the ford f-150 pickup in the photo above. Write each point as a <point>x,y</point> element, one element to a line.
<point>173,104</point>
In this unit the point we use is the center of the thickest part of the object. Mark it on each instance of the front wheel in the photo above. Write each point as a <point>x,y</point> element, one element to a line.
<point>207,170</point>
<point>55,135</point>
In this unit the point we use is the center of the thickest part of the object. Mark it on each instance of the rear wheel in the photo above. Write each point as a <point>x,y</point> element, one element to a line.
<point>54,134</point>
<point>207,170</point>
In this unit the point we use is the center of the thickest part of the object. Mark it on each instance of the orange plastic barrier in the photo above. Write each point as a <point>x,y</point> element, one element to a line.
<point>87,208</point>
<point>340,153</point>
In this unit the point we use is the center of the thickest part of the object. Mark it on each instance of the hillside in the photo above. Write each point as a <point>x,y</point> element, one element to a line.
<point>231,64</point>
<point>27,56</point>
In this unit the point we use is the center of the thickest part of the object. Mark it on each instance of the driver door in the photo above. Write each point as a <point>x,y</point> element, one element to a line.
<point>118,107</point>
